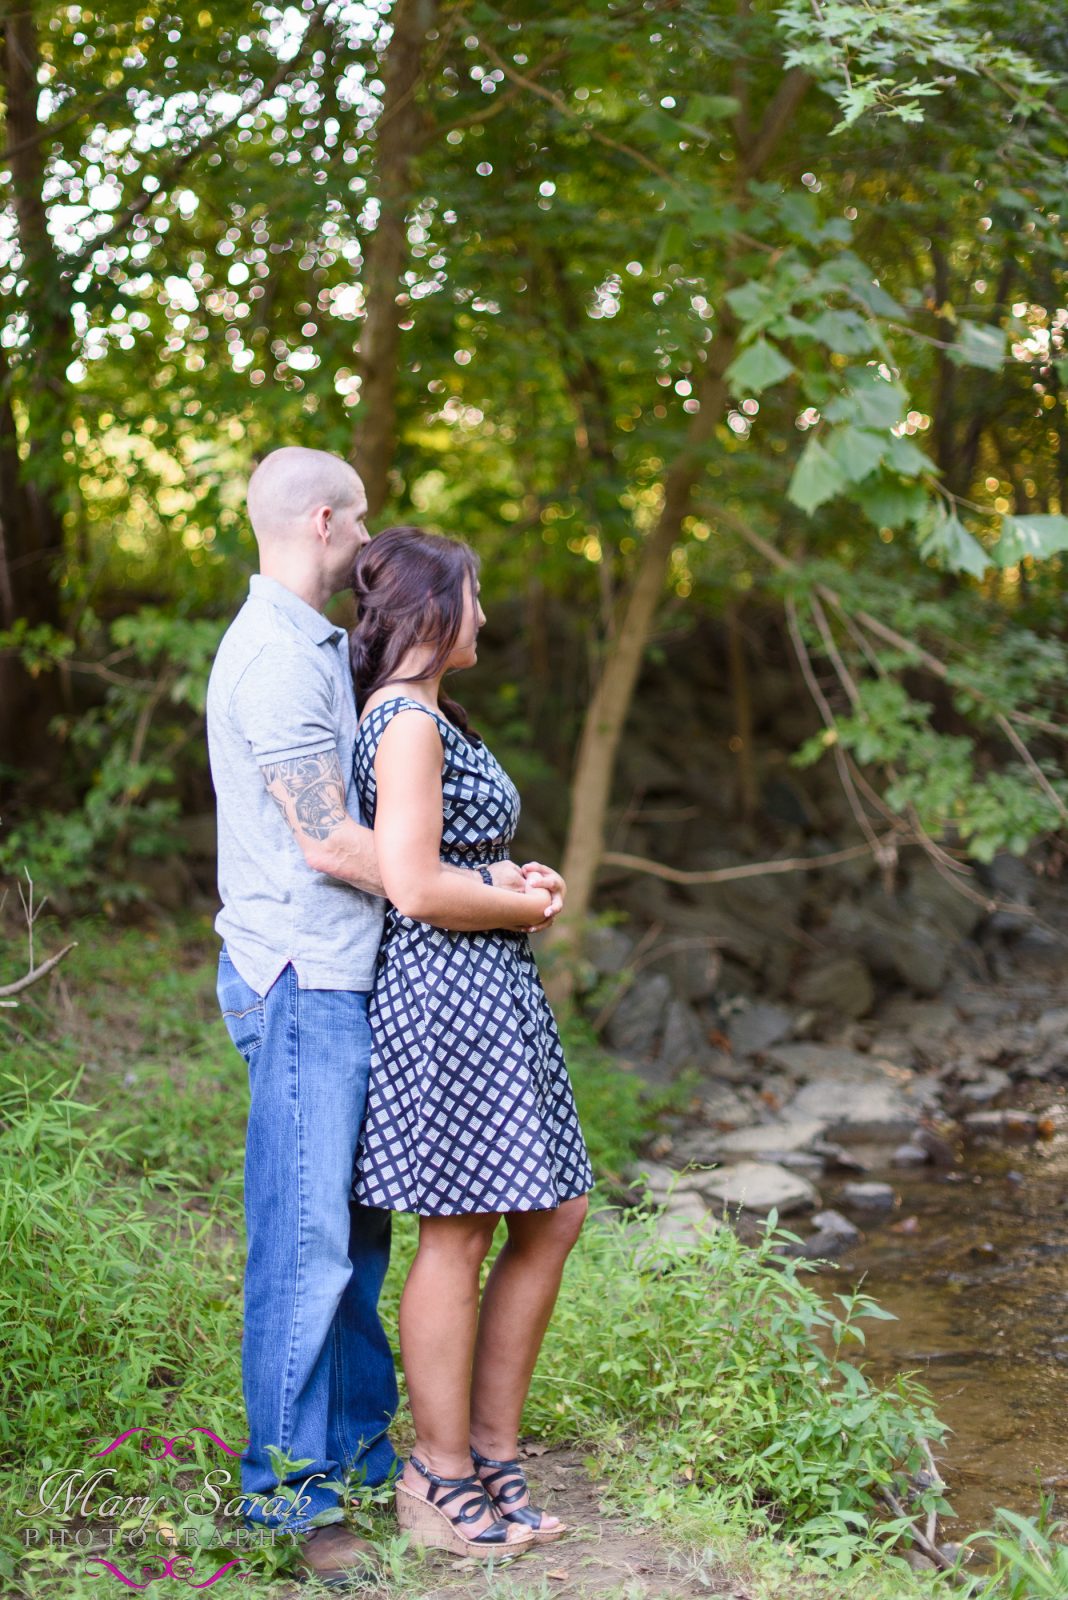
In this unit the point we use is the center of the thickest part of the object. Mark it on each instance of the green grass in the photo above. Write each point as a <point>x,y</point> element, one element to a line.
<point>715,1390</point>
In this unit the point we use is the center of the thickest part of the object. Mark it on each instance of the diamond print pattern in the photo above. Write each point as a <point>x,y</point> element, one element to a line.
<point>469,1107</point>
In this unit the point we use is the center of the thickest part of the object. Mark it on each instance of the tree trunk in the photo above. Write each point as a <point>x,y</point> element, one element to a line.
<point>398,139</point>
<point>603,726</point>
<point>31,519</point>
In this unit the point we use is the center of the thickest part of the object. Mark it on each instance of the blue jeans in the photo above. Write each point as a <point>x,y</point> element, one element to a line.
<point>317,1369</point>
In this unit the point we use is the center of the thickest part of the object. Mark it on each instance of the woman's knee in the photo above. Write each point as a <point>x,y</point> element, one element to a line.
<point>555,1230</point>
<point>465,1238</point>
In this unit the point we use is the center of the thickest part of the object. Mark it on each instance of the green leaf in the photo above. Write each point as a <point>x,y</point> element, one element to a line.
<point>817,478</point>
<point>753,302</point>
<point>846,332</point>
<point>876,299</point>
<point>948,540</point>
<point>978,345</point>
<point>1038,537</point>
<point>757,368</point>
<point>711,107</point>
<point>906,457</point>
<point>889,503</point>
<point>857,451</point>
<point>869,400</point>
<point>671,245</point>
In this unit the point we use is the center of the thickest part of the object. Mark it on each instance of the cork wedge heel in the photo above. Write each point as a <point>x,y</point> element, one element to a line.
<point>438,1520</point>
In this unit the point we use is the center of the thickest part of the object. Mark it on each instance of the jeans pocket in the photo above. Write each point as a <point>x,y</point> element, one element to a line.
<point>242,1008</point>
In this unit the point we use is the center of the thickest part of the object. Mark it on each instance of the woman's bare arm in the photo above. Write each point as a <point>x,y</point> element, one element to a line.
<point>408,841</point>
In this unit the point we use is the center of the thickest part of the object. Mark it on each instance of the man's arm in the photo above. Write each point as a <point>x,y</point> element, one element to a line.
<point>309,791</point>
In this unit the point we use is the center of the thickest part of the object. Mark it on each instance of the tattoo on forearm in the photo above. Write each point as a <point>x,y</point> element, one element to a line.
<point>309,791</point>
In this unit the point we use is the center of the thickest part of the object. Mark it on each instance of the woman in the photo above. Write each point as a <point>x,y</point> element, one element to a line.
<point>470,1115</point>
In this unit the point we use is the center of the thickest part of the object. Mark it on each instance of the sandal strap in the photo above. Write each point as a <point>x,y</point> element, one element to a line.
<point>475,1502</point>
<point>507,1483</point>
<point>505,1480</point>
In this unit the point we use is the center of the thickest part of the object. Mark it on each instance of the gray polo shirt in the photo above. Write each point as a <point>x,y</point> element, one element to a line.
<point>281,688</point>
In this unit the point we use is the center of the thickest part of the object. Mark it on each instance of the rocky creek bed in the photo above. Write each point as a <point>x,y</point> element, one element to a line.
<point>925,1151</point>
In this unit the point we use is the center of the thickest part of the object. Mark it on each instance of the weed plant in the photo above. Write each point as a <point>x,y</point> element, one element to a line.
<point>712,1385</point>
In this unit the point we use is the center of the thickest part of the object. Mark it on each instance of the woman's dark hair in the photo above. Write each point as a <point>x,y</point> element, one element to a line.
<point>409,588</point>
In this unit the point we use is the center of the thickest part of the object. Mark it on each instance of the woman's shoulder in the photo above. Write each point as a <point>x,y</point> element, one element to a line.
<point>377,714</point>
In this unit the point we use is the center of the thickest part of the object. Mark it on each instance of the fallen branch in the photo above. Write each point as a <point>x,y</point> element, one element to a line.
<point>33,973</point>
<point>923,1543</point>
<point>752,869</point>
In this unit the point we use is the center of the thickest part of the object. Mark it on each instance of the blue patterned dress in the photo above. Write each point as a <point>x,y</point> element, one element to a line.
<point>469,1107</point>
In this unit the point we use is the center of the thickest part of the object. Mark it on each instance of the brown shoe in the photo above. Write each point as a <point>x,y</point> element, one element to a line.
<point>337,1558</point>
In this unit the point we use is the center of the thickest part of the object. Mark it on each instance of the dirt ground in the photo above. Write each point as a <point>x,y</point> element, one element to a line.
<point>600,1559</point>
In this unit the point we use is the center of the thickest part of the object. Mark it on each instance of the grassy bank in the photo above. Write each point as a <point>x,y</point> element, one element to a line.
<point>715,1392</point>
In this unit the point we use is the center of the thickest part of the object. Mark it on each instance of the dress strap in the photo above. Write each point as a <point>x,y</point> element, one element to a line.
<point>375,723</point>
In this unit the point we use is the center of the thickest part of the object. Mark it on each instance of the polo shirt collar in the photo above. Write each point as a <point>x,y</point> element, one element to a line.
<point>319,629</point>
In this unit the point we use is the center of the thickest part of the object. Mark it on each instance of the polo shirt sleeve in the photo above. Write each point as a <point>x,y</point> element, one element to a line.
<point>283,704</point>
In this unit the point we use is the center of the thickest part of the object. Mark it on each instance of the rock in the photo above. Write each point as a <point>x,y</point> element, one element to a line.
<point>694,971</point>
<point>1014,1125</point>
<point>762,1024</point>
<point>920,955</point>
<point>771,1139</point>
<point>938,1146</point>
<point>607,949</point>
<point>834,1235</point>
<point>922,1021</point>
<point>724,1108</point>
<point>909,1155</point>
<point>1052,1026</point>
<point>802,1161</point>
<point>839,983</point>
<point>684,1218</point>
<point>1011,878</point>
<point>657,1178</point>
<point>856,1110</point>
<point>760,1186</point>
<point>806,1061</point>
<point>991,1082</point>
<point>636,1024</point>
<point>868,1196</point>
<point>837,1158</point>
<point>933,897</point>
<point>683,1045</point>
<point>919,1562</point>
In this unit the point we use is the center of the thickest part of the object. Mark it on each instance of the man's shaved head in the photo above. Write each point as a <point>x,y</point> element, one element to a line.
<point>293,483</point>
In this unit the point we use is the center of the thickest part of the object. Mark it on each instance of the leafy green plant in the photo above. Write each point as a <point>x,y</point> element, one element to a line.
<point>1030,1555</point>
<point>155,671</point>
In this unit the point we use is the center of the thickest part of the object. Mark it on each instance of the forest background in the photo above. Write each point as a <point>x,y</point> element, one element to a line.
<point>702,322</point>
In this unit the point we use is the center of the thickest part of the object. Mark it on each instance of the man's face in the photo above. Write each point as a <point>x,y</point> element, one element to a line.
<point>348,535</point>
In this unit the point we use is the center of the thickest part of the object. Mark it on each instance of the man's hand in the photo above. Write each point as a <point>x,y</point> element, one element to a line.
<point>538,876</point>
<point>506,875</point>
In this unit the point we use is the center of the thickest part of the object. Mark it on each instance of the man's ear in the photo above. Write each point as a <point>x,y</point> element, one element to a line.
<point>321,523</point>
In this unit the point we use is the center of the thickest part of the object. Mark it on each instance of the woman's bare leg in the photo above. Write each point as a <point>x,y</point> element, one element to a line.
<point>517,1303</point>
<point>438,1323</point>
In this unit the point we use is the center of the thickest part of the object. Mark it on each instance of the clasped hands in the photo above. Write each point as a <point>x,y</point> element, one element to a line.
<point>532,875</point>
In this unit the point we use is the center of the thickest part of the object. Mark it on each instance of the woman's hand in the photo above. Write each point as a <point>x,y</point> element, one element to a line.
<point>538,876</point>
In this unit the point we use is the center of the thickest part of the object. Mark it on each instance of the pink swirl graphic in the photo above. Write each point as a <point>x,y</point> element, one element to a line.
<point>178,1567</point>
<point>178,1447</point>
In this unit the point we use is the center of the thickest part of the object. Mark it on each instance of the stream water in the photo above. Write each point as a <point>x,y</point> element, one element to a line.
<point>974,1264</point>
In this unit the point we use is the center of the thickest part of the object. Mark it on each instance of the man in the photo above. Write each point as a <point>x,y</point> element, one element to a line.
<point>301,920</point>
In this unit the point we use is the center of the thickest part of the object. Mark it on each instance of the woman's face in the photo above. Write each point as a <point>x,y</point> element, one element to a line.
<point>465,650</point>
